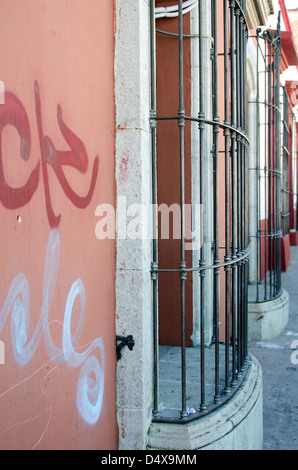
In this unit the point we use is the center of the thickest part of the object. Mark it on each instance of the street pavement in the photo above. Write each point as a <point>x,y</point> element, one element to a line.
<point>279,361</point>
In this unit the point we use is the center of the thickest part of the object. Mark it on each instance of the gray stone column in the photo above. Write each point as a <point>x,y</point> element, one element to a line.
<point>133,185</point>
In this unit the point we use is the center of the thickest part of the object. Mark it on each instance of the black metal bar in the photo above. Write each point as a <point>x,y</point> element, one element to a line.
<point>209,122</point>
<point>216,259</point>
<point>239,185</point>
<point>258,179</point>
<point>270,165</point>
<point>154,265</point>
<point>225,264</point>
<point>202,197</point>
<point>183,274</point>
<point>227,258</point>
<point>234,191</point>
<point>244,325</point>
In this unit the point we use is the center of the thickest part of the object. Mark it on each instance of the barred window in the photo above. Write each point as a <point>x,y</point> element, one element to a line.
<point>200,164</point>
<point>268,170</point>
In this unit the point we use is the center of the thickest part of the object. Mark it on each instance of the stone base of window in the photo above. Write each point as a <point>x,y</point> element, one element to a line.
<point>267,320</point>
<point>236,425</point>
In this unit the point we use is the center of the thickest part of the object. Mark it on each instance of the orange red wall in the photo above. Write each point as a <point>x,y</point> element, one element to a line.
<point>57,299</point>
<point>169,176</point>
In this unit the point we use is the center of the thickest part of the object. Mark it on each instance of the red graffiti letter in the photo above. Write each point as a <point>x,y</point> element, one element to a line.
<point>14,113</point>
<point>76,157</point>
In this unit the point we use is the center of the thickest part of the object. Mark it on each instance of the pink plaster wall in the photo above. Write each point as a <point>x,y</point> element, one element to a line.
<point>57,388</point>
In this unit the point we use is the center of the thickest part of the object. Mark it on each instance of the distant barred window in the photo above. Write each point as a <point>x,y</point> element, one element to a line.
<point>285,154</point>
<point>269,167</point>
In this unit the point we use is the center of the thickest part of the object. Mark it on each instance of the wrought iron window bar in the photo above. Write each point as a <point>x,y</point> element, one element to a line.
<point>229,355</point>
<point>268,168</point>
<point>285,162</point>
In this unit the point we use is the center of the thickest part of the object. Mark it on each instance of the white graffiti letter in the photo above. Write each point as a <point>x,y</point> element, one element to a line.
<point>91,378</point>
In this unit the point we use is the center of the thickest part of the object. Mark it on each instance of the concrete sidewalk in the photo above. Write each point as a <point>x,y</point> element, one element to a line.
<point>280,373</point>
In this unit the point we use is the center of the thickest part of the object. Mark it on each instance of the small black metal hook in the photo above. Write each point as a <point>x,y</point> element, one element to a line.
<point>125,341</point>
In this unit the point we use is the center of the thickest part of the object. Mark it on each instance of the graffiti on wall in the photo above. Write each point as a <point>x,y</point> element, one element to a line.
<point>90,385</point>
<point>14,113</point>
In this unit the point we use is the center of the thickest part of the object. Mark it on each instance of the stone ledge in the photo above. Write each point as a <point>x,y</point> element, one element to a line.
<point>236,425</point>
<point>267,320</point>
